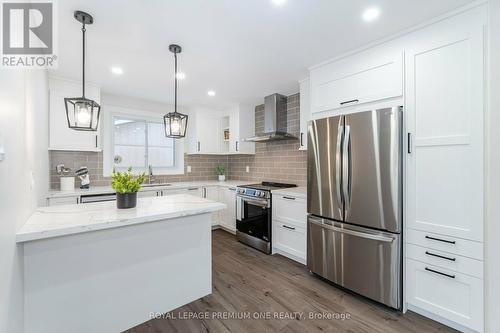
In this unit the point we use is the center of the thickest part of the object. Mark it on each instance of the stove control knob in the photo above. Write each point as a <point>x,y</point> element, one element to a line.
<point>262,194</point>
<point>257,193</point>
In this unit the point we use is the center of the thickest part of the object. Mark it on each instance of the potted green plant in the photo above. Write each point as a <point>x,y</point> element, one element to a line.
<point>126,186</point>
<point>221,170</point>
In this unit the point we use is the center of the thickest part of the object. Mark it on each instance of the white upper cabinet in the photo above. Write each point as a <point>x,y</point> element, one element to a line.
<point>305,112</point>
<point>202,132</point>
<point>366,77</point>
<point>221,132</point>
<point>242,126</point>
<point>445,115</point>
<point>61,137</point>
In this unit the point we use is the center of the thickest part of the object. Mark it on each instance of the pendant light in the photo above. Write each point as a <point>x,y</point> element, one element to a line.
<point>82,113</point>
<point>175,122</point>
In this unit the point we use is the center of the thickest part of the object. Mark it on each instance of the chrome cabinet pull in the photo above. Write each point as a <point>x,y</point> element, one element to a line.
<point>192,188</point>
<point>198,145</point>
<point>440,256</point>
<point>409,143</point>
<point>349,102</point>
<point>440,240</point>
<point>236,145</point>
<point>289,198</point>
<point>440,273</point>
<point>288,227</point>
<point>301,139</point>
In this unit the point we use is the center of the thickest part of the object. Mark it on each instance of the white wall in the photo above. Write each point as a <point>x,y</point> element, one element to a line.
<point>24,132</point>
<point>493,180</point>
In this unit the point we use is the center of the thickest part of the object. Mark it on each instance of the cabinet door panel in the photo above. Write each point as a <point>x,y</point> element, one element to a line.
<point>361,79</point>
<point>212,193</point>
<point>61,137</point>
<point>305,112</point>
<point>228,216</point>
<point>445,118</point>
<point>455,296</point>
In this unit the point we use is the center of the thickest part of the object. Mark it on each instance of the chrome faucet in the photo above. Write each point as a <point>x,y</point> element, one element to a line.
<point>150,174</point>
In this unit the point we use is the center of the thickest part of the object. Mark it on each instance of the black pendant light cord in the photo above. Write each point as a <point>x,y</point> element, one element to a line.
<point>175,89</point>
<point>83,60</point>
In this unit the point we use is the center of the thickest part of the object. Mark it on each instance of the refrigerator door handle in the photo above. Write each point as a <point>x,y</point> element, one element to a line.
<point>338,160</point>
<point>376,237</point>
<point>346,170</point>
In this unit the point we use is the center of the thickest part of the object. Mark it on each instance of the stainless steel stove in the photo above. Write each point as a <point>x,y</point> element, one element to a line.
<point>254,214</point>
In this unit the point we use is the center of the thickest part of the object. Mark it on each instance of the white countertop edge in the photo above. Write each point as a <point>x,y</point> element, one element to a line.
<point>299,192</point>
<point>175,185</point>
<point>38,235</point>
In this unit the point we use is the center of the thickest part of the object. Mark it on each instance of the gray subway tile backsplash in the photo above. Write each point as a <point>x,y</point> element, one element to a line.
<point>279,161</point>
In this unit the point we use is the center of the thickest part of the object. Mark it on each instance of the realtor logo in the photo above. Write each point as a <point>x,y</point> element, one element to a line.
<point>28,35</point>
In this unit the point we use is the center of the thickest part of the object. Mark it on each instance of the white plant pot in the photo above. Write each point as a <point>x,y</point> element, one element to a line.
<point>67,184</point>
<point>222,178</point>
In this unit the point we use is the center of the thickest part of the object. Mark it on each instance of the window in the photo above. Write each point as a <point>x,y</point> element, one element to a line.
<point>140,143</point>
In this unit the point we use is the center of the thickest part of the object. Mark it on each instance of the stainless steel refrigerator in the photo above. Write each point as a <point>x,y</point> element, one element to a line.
<point>354,202</point>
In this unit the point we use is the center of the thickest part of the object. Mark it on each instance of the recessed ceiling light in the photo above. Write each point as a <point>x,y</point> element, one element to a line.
<point>278,2</point>
<point>116,70</point>
<point>181,75</point>
<point>211,93</point>
<point>371,14</point>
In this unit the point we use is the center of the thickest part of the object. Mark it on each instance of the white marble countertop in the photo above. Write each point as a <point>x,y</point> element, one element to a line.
<point>299,192</point>
<point>172,185</point>
<point>47,222</point>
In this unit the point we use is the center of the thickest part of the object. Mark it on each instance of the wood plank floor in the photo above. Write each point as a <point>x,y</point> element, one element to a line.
<point>250,283</point>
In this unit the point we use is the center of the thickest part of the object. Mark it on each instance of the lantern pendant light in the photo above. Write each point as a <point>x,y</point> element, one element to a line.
<point>175,122</point>
<point>82,113</point>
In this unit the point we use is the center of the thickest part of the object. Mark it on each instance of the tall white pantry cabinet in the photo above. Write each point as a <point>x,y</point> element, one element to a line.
<point>436,72</point>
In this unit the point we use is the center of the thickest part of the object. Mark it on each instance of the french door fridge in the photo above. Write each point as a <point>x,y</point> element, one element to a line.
<point>354,202</point>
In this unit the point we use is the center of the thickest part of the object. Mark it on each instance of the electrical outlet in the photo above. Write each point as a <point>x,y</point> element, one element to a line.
<point>248,168</point>
<point>188,169</point>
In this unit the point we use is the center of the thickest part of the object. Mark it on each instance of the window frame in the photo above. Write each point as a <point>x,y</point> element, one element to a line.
<point>146,122</point>
<point>112,111</point>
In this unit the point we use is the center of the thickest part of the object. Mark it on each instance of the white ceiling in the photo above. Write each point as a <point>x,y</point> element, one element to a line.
<point>242,49</point>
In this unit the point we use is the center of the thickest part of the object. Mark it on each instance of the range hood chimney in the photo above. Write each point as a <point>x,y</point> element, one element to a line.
<point>275,120</point>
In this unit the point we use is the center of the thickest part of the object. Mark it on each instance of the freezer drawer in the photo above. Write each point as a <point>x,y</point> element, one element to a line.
<point>365,261</point>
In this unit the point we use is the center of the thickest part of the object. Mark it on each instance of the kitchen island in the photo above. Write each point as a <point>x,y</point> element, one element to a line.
<point>94,268</point>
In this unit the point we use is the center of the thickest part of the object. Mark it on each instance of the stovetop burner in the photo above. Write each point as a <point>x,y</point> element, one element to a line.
<point>268,186</point>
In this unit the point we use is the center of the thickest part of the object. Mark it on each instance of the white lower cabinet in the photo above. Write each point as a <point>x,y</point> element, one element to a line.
<point>227,195</point>
<point>289,227</point>
<point>446,293</point>
<point>149,193</point>
<point>212,193</point>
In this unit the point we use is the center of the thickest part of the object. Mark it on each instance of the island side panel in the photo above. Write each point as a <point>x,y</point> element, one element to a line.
<point>111,280</point>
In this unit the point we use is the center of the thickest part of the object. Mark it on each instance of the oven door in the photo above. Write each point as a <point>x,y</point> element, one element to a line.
<point>253,217</point>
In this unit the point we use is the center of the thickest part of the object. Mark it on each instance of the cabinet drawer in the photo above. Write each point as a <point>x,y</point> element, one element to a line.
<point>457,297</point>
<point>62,201</point>
<point>290,238</point>
<point>290,209</point>
<point>446,260</point>
<point>448,244</point>
<point>146,194</point>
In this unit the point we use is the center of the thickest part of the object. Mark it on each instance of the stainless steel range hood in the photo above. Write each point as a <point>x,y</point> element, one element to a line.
<point>275,120</point>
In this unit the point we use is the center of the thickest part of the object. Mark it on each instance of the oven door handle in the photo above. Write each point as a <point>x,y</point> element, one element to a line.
<point>260,203</point>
